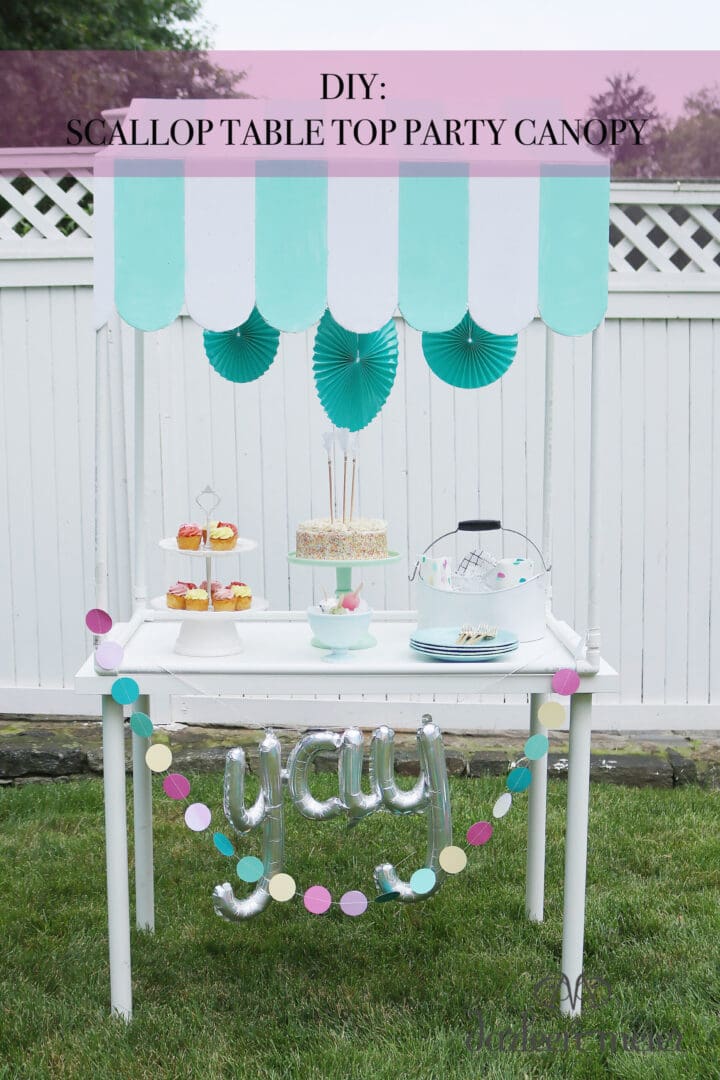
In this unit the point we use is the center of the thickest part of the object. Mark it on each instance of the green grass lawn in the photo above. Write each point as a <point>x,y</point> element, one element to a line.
<point>392,994</point>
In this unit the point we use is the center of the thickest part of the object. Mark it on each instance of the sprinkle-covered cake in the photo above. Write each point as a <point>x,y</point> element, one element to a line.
<point>362,538</point>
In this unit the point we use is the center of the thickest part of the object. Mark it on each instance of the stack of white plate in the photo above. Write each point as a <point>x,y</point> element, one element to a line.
<point>441,643</point>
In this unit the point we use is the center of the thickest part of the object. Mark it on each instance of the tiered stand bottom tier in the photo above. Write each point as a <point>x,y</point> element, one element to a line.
<point>208,633</point>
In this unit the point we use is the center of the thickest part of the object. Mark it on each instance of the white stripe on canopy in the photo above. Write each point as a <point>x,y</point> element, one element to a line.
<point>220,235</point>
<point>503,255</point>
<point>362,251</point>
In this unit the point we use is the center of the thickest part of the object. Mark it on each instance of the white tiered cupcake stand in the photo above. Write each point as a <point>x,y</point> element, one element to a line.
<point>206,633</point>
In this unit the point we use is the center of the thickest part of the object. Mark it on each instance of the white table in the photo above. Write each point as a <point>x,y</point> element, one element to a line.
<point>278,658</point>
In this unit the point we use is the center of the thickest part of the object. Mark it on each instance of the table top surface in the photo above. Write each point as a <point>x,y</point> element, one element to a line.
<point>277,654</point>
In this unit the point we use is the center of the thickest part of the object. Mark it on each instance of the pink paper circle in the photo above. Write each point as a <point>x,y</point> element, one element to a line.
<point>108,655</point>
<point>197,816</point>
<point>176,786</point>
<point>565,681</point>
<point>353,903</point>
<point>317,899</point>
<point>479,833</point>
<point>98,621</point>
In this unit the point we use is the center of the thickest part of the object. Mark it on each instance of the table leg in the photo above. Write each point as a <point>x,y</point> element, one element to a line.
<point>576,838</point>
<point>118,898</point>
<point>142,821</point>
<point>537,799</point>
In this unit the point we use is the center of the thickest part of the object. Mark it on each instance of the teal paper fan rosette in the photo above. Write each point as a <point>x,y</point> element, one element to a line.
<point>468,356</point>
<point>245,353</point>
<point>354,373</point>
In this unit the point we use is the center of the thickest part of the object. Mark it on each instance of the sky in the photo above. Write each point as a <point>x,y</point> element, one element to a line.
<point>464,24</point>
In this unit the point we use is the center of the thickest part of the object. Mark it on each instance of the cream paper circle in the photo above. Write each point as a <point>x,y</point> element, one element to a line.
<point>281,887</point>
<point>158,757</point>
<point>552,714</point>
<point>452,859</point>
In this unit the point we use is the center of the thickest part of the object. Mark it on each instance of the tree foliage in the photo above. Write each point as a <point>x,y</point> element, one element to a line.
<point>141,48</point>
<point>102,24</point>
<point>686,148</point>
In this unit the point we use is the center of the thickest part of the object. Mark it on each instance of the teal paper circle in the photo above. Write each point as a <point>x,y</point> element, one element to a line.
<point>519,779</point>
<point>536,746</point>
<point>141,724</point>
<point>250,869</point>
<point>125,691</point>
<point>223,845</point>
<point>354,373</point>
<point>468,356</point>
<point>245,353</point>
<point>423,881</point>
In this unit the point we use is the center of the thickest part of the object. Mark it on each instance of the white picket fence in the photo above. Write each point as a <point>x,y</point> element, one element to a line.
<point>434,455</point>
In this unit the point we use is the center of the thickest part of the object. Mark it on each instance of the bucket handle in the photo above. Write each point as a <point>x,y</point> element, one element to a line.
<point>479,525</point>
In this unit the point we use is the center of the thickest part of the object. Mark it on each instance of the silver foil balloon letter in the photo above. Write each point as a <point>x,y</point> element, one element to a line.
<point>432,759</point>
<point>267,809</point>
<point>382,777</point>
<point>299,764</point>
<point>358,804</point>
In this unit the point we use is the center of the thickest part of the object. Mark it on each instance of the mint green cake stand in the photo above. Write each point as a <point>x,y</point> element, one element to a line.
<point>343,582</point>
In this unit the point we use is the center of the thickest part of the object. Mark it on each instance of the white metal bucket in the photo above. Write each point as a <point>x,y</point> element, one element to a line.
<point>520,608</point>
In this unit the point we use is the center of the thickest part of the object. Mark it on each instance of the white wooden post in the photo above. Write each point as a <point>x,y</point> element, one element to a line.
<point>118,899</point>
<point>576,837</point>
<point>548,452</point>
<point>537,798</point>
<point>593,627</point>
<point>143,828</point>
<point>101,468</point>
<point>139,583</point>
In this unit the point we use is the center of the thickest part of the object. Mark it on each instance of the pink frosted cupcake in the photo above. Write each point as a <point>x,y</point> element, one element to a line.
<point>214,586</point>
<point>223,600</point>
<point>189,537</point>
<point>175,596</point>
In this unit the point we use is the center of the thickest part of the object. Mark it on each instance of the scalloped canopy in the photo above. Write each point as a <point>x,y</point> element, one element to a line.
<point>434,242</point>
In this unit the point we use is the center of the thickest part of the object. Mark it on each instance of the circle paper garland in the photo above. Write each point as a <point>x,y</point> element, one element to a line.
<point>282,887</point>
<point>108,655</point>
<point>98,621</point>
<point>158,757</point>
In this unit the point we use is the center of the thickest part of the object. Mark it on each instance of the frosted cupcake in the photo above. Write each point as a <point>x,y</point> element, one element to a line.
<point>218,525</point>
<point>175,596</point>
<point>197,600</point>
<point>223,600</point>
<point>189,537</point>
<point>222,538</point>
<point>242,594</point>
<point>214,586</point>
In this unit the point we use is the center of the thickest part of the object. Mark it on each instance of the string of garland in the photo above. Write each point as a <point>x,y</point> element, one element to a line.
<point>282,887</point>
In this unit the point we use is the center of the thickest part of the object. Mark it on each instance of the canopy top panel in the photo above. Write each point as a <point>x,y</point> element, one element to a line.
<point>218,230</point>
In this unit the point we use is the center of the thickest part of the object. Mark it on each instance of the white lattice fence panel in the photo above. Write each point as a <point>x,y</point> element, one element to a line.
<point>667,238</point>
<point>47,205</point>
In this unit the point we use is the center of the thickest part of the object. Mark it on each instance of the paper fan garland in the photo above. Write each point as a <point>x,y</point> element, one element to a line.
<point>245,353</point>
<point>469,356</point>
<point>354,373</point>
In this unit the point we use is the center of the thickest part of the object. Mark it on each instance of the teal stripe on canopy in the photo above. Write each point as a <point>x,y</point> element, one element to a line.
<point>290,245</point>
<point>149,243</point>
<point>573,270</point>
<point>433,247</point>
